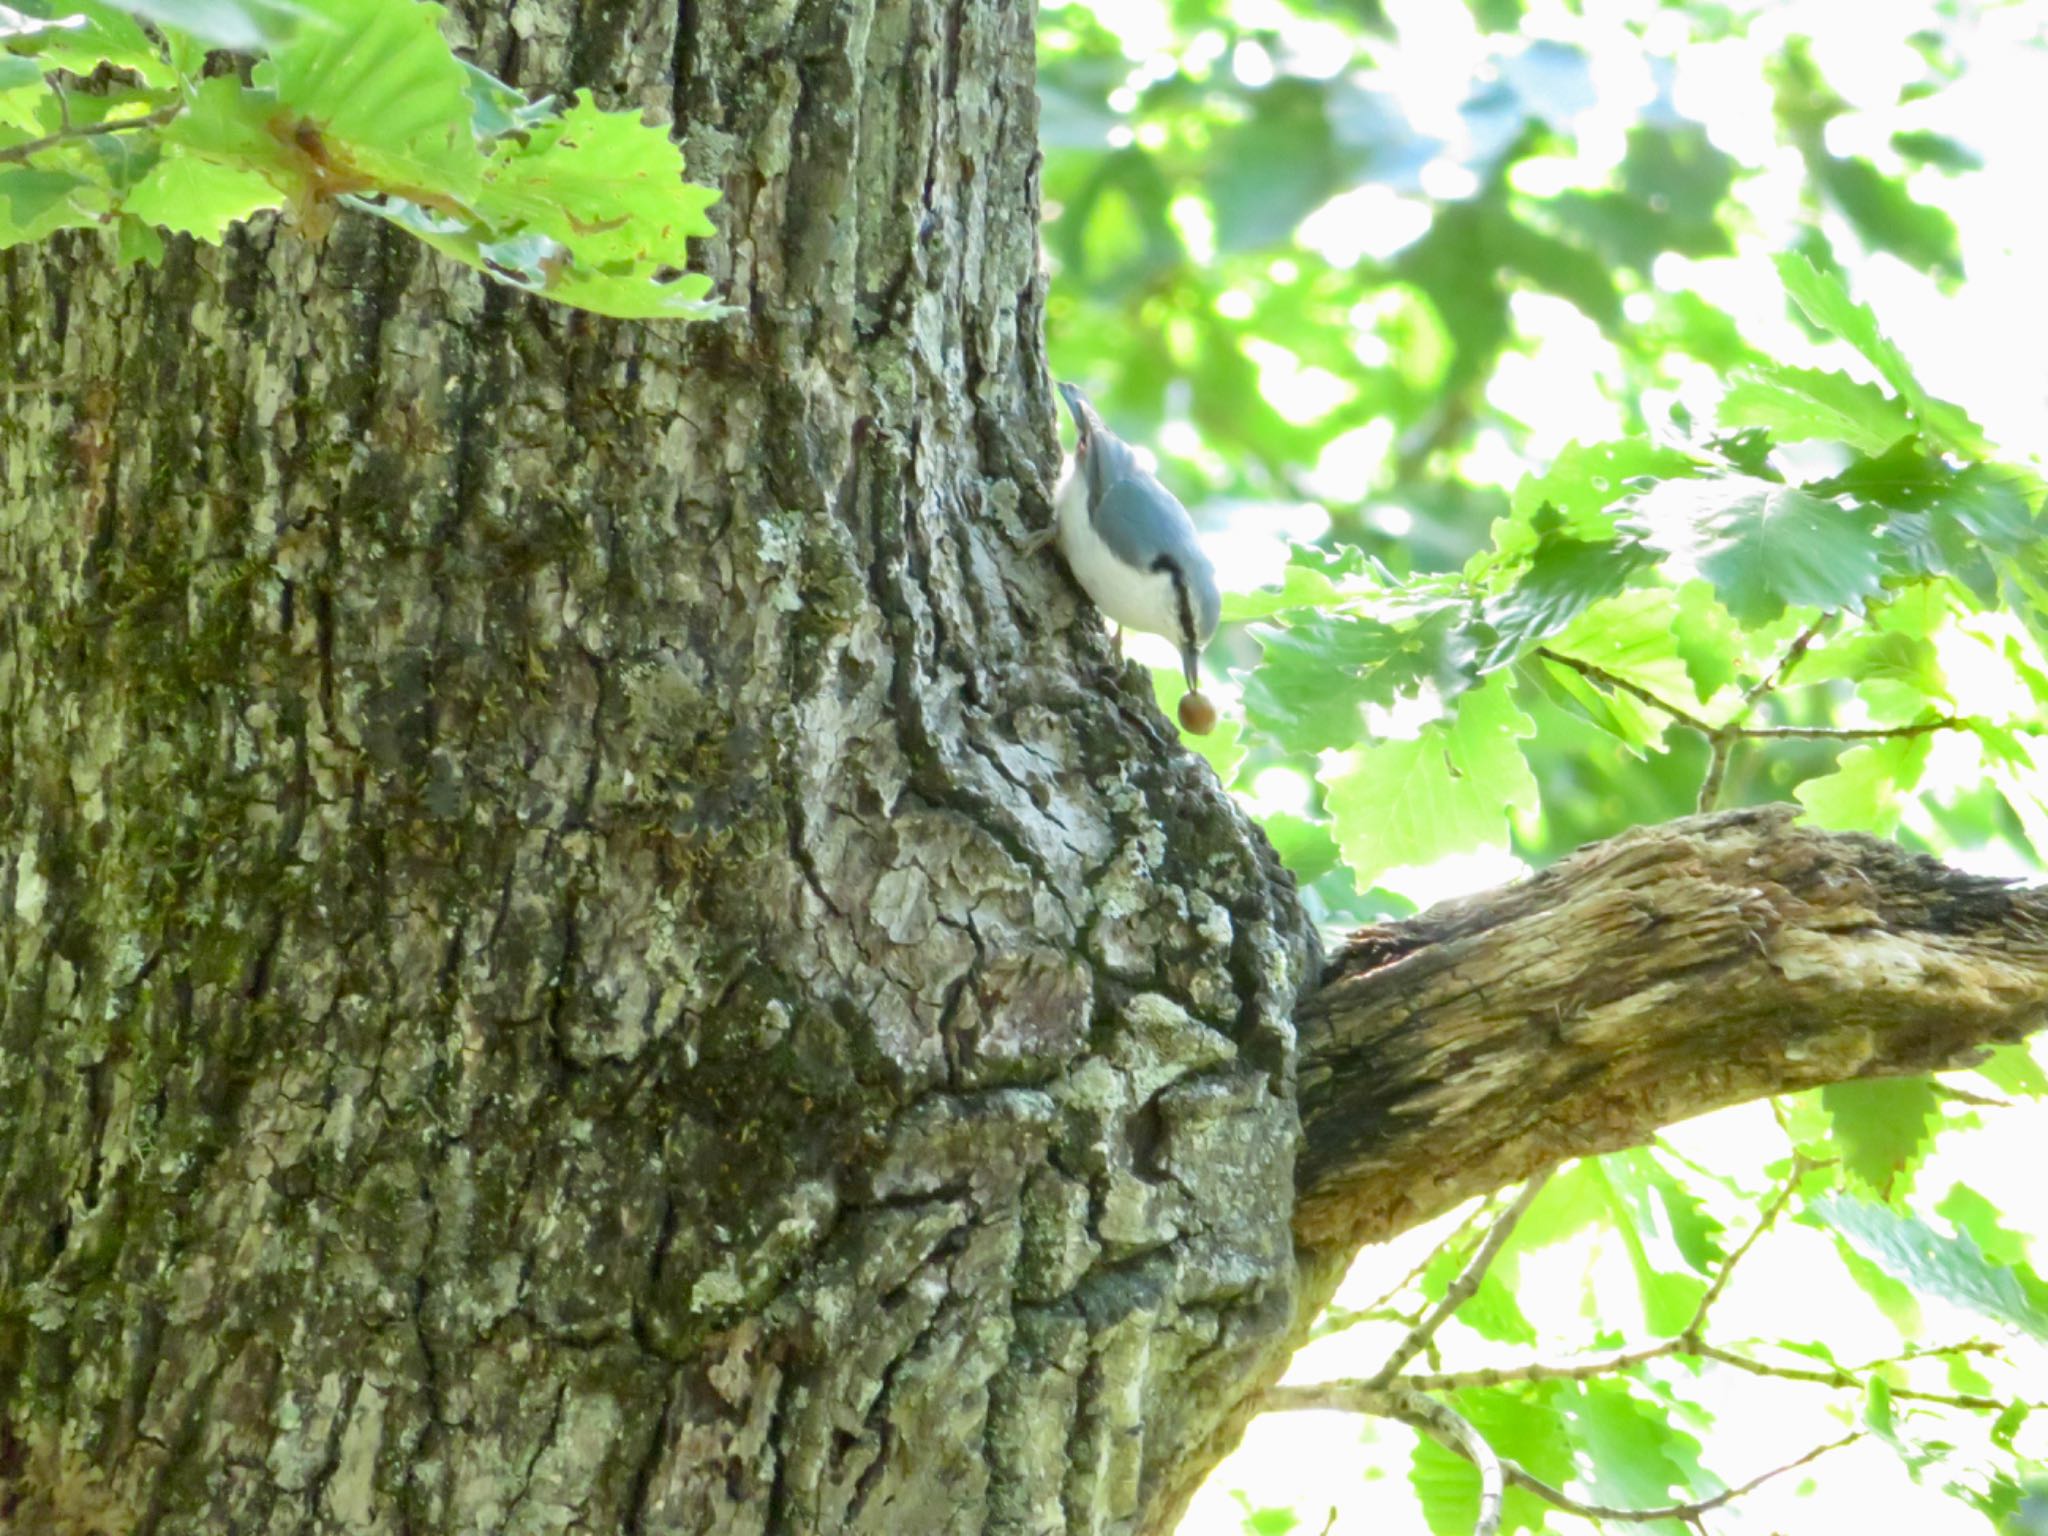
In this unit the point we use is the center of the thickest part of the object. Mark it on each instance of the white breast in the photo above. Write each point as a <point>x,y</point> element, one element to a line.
<point>1135,599</point>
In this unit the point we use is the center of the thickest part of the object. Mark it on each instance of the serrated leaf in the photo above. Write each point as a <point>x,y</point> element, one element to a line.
<point>35,202</point>
<point>1520,1425</point>
<point>1318,673</point>
<point>2012,1068</point>
<point>1582,483</point>
<point>191,195</point>
<point>1951,1267</point>
<point>1669,1296</point>
<point>1299,586</point>
<point>136,242</point>
<point>80,35</point>
<point>1881,1128</point>
<point>1969,1212</point>
<point>606,186</point>
<point>1796,404</point>
<point>1304,846</point>
<point>1565,576</point>
<point>379,101</point>
<point>1633,635</point>
<point>1822,299</point>
<point>1765,547</point>
<point>1631,1454</point>
<point>1706,639</point>
<point>1864,791</point>
<point>1400,803</point>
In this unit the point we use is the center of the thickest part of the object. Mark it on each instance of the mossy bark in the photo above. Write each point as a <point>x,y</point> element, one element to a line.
<point>583,940</point>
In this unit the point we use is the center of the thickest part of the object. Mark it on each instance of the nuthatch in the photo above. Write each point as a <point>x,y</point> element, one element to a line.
<point>1131,546</point>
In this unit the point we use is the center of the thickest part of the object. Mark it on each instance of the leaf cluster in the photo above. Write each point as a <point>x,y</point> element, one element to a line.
<point>141,117</point>
<point>1708,585</point>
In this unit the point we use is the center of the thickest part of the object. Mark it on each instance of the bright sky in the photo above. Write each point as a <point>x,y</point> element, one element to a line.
<point>1981,346</point>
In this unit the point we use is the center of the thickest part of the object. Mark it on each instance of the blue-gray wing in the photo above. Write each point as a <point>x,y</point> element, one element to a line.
<point>1140,521</point>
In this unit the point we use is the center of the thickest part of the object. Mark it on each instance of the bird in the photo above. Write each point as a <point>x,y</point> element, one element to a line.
<point>1132,546</point>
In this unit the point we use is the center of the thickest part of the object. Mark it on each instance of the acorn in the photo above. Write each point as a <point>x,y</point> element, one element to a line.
<point>1197,714</point>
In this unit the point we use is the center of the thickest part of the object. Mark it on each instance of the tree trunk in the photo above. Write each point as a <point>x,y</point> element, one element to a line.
<point>585,942</point>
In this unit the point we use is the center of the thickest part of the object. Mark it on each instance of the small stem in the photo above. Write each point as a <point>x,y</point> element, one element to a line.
<point>1717,771</point>
<point>16,154</point>
<point>1461,1289</point>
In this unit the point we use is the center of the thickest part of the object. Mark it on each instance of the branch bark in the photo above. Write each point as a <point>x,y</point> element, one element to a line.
<point>1648,978</point>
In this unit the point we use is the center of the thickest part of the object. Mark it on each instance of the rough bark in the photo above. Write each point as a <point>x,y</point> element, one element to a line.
<point>583,941</point>
<point>1652,977</point>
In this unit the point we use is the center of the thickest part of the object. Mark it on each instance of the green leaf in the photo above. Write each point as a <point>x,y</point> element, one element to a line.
<point>2012,1068</point>
<point>1565,576</point>
<point>1304,846</point>
<point>1764,546</point>
<point>243,26</point>
<point>199,197</point>
<point>1520,1425</point>
<point>1400,803</point>
<point>1864,791</point>
<point>1669,1297</point>
<point>1937,150</point>
<point>1636,635</point>
<point>1950,1267</point>
<point>1881,1128</point>
<point>1969,1212</point>
<point>34,202</point>
<point>81,35</point>
<point>387,100</point>
<point>1795,404</point>
<point>16,73</point>
<point>603,185</point>
<point>1706,638</point>
<point>1631,1454</point>
<point>1300,586</point>
<point>1887,217</point>
<point>136,242</point>
<point>1822,299</point>
<point>1317,674</point>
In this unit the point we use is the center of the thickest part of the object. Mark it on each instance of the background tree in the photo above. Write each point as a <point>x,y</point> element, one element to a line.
<point>588,944</point>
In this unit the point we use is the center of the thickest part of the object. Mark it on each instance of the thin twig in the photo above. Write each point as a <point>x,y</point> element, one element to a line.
<point>1337,1319</point>
<point>1692,1511</point>
<point>1461,1289</point>
<point>1600,674</point>
<point>1717,771</point>
<point>1850,732</point>
<point>1840,1378</point>
<point>1446,1424</point>
<point>21,153</point>
<point>1801,1166</point>
<point>1731,729</point>
<point>1774,679</point>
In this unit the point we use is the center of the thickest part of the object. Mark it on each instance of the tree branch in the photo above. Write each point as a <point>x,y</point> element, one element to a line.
<point>1648,978</point>
<point>16,154</point>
